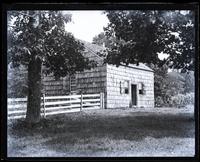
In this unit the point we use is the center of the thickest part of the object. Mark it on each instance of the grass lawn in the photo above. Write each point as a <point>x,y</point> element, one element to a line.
<point>120,132</point>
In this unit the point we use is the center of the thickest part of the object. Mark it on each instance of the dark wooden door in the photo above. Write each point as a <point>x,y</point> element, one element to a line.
<point>134,94</point>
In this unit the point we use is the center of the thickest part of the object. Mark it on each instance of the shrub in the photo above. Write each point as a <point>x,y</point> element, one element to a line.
<point>181,100</point>
<point>159,101</point>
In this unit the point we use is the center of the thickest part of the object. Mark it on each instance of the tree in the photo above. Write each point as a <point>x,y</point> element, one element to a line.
<point>99,39</point>
<point>38,41</point>
<point>142,35</point>
<point>189,81</point>
<point>102,40</point>
<point>166,85</point>
<point>17,82</point>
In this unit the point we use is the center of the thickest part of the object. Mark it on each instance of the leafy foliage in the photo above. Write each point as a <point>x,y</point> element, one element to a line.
<point>41,34</point>
<point>38,41</point>
<point>181,100</point>
<point>17,82</point>
<point>189,83</point>
<point>169,85</point>
<point>141,35</point>
<point>102,40</point>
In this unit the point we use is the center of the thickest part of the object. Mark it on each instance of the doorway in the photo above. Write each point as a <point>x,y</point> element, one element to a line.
<point>133,94</point>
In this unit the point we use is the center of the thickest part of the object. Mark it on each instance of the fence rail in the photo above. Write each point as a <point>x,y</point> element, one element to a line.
<point>51,105</point>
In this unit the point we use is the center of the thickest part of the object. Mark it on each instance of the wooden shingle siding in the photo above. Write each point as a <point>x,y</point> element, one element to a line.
<point>51,86</point>
<point>88,81</point>
<point>92,81</point>
<point>115,75</point>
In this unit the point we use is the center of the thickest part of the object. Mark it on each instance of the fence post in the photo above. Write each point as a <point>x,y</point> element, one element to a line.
<point>43,96</point>
<point>102,100</point>
<point>81,102</point>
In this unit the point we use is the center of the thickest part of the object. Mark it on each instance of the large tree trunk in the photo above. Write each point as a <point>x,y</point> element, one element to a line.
<point>34,91</point>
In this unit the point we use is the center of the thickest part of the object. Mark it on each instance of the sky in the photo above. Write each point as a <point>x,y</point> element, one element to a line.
<point>86,24</point>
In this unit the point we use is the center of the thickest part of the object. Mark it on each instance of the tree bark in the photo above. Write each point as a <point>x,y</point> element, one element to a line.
<point>34,91</point>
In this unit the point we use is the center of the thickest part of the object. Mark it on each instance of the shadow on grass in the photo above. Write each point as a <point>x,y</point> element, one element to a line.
<point>70,129</point>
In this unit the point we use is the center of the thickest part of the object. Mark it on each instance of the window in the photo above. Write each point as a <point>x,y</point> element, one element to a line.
<point>126,87</point>
<point>141,88</point>
<point>140,91</point>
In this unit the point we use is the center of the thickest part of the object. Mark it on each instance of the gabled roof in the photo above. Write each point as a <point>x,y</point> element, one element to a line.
<point>91,51</point>
<point>140,66</point>
<point>96,48</point>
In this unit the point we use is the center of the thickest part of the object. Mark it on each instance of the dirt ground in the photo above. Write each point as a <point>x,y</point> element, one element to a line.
<point>106,133</point>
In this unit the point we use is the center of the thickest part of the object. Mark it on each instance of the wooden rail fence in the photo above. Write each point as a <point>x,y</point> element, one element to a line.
<point>51,105</point>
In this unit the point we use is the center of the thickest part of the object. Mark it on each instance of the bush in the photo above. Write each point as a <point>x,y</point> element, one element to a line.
<point>182,100</point>
<point>190,98</point>
<point>159,101</point>
<point>179,100</point>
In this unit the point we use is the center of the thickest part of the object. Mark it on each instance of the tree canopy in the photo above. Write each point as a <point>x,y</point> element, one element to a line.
<point>102,40</point>
<point>38,41</point>
<point>41,34</point>
<point>142,35</point>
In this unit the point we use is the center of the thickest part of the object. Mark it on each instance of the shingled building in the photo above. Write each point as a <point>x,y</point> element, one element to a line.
<point>123,86</point>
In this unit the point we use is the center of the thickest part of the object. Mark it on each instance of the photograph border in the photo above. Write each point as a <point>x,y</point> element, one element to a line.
<point>93,6</point>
